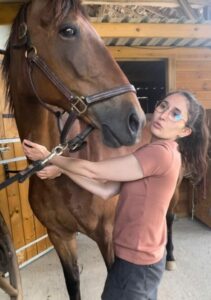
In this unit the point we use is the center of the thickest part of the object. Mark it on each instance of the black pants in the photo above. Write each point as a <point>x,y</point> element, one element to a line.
<point>127,281</point>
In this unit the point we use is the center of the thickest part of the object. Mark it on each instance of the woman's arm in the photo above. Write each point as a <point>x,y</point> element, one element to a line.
<point>104,190</point>
<point>49,172</point>
<point>125,168</point>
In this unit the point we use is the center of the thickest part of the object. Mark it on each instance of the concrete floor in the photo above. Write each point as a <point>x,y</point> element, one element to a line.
<point>43,280</point>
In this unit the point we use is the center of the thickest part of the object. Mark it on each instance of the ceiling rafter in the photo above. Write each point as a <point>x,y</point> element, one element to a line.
<point>160,3</point>
<point>188,10</point>
<point>146,30</point>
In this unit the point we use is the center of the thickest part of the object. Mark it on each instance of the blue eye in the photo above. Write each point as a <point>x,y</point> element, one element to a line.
<point>177,116</point>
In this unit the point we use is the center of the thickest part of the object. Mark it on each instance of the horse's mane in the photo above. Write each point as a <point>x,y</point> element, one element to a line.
<point>7,58</point>
<point>60,9</point>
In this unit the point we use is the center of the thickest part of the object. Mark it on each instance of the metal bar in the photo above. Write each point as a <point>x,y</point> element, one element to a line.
<point>26,263</point>
<point>34,258</point>
<point>8,141</point>
<point>8,116</point>
<point>7,161</point>
<point>3,149</point>
<point>31,244</point>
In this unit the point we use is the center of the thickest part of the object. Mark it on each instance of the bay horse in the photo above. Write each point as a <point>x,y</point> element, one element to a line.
<point>53,58</point>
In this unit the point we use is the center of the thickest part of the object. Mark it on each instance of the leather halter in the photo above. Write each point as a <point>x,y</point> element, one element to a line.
<point>78,104</point>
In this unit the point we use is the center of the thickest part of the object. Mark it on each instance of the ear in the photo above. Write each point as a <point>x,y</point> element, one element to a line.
<point>186,131</point>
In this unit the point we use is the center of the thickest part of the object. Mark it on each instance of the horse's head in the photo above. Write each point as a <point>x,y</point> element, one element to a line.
<point>69,45</point>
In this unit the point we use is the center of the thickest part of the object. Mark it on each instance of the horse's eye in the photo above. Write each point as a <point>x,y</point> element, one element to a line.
<point>67,31</point>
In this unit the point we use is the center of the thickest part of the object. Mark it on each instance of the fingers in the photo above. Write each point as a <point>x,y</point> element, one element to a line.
<point>42,174</point>
<point>34,151</point>
<point>29,143</point>
<point>49,172</point>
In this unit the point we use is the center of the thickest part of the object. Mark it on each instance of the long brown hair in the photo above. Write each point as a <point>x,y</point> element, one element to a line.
<point>194,148</point>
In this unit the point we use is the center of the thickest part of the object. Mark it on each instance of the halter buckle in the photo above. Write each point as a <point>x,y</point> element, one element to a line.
<point>79,105</point>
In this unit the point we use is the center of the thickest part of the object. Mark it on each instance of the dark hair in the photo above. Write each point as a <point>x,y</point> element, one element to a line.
<point>194,148</point>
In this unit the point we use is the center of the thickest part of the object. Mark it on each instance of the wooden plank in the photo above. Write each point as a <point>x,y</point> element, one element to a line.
<point>171,75</point>
<point>206,103</point>
<point>160,3</point>
<point>203,95</point>
<point>193,75</point>
<point>132,53</point>
<point>193,65</point>
<point>10,128</point>
<point>147,30</point>
<point>1,126</point>
<point>8,11</point>
<point>27,214</point>
<point>184,54</point>
<point>4,208</point>
<point>129,30</point>
<point>40,231</point>
<point>2,97</point>
<point>15,209</point>
<point>194,85</point>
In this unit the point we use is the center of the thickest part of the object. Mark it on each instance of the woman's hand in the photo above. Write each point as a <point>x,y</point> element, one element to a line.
<point>34,151</point>
<point>49,172</point>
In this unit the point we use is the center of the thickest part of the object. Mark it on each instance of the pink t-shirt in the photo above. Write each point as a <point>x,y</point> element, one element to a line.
<point>140,231</point>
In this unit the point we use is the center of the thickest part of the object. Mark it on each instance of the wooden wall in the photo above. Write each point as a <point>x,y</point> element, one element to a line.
<point>14,205</point>
<point>186,68</point>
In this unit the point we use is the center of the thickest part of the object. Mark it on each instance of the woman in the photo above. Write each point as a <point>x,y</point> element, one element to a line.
<point>146,181</point>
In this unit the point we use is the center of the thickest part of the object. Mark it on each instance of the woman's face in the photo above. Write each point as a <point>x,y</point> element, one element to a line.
<point>170,118</point>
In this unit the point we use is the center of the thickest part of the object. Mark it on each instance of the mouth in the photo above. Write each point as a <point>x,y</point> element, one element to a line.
<point>110,139</point>
<point>156,125</point>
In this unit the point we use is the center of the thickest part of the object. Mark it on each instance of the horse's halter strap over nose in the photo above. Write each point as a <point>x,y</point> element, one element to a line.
<point>78,103</point>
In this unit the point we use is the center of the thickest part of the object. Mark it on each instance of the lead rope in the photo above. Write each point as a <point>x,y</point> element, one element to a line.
<point>72,145</point>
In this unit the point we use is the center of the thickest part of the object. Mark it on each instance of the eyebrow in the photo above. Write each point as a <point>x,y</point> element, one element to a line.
<point>176,108</point>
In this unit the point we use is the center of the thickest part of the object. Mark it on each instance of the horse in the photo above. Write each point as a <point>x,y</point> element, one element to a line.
<point>53,58</point>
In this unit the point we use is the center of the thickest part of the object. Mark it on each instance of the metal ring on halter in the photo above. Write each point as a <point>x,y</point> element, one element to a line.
<point>32,51</point>
<point>58,150</point>
<point>22,31</point>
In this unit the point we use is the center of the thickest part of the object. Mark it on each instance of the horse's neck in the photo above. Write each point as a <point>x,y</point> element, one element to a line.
<point>35,122</point>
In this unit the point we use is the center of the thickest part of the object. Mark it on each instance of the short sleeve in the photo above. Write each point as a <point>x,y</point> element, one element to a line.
<point>154,159</point>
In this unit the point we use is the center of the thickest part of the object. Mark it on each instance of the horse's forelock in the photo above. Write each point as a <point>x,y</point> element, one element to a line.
<point>60,9</point>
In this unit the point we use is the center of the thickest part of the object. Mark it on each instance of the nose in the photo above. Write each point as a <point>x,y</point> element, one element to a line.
<point>133,123</point>
<point>164,115</point>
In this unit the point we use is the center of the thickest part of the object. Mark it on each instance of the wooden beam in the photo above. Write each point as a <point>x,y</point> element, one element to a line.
<point>160,3</point>
<point>8,11</point>
<point>146,30</point>
<point>130,30</point>
<point>183,54</point>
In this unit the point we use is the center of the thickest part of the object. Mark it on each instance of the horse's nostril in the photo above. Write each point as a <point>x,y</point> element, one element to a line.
<point>134,123</point>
